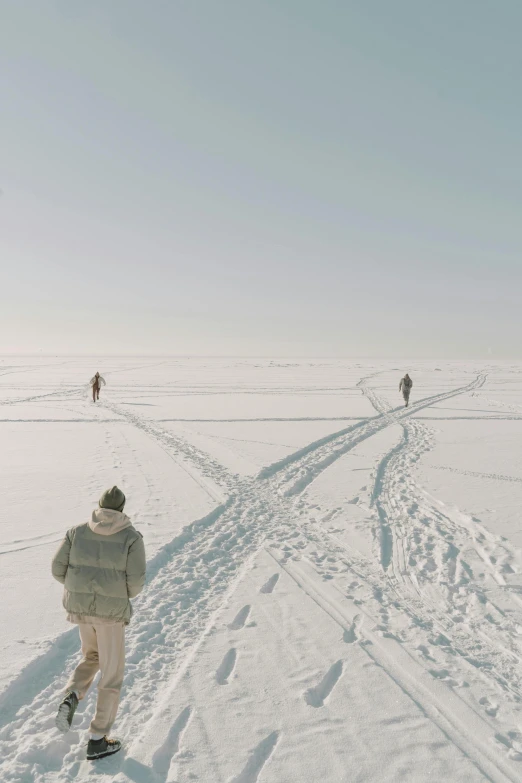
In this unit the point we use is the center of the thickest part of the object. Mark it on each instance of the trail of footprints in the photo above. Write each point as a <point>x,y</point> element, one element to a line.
<point>448,568</point>
<point>315,696</point>
<point>318,694</point>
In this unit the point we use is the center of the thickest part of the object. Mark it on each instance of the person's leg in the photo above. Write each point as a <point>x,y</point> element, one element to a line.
<point>85,672</point>
<point>111,647</point>
<point>94,393</point>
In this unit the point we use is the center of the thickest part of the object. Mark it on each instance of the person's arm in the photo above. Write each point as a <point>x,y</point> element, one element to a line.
<point>400,385</point>
<point>60,562</point>
<point>102,381</point>
<point>136,567</point>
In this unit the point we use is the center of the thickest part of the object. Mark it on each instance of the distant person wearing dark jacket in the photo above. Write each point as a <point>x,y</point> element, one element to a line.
<point>405,386</point>
<point>97,382</point>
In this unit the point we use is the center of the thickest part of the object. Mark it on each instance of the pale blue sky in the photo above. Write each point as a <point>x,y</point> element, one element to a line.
<point>261,177</point>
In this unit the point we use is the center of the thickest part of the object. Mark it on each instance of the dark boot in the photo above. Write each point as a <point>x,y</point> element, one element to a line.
<point>66,712</point>
<point>99,749</point>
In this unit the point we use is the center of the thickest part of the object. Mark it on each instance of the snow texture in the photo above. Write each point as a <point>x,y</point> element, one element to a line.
<point>334,586</point>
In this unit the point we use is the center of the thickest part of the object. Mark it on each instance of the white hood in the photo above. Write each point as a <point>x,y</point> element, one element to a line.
<point>106,522</point>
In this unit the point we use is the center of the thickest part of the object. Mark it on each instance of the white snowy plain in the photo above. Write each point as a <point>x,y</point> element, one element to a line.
<point>334,588</point>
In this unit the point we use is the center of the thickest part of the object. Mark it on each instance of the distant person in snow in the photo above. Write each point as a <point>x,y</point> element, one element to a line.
<point>102,566</point>
<point>405,386</point>
<point>97,382</point>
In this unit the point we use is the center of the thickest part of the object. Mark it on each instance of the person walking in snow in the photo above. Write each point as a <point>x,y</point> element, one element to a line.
<point>102,566</point>
<point>405,386</point>
<point>97,382</point>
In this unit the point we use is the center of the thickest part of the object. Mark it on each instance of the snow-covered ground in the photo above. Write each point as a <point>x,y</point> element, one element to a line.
<point>335,582</point>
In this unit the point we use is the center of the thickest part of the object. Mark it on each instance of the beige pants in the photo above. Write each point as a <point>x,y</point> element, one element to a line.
<point>103,648</point>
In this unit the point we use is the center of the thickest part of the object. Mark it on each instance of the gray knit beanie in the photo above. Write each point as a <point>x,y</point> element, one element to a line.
<point>113,499</point>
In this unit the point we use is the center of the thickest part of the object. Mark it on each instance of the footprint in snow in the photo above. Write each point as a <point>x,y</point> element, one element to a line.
<point>351,634</point>
<point>315,697</point>
<point>162,758</point>
<point>491,707</point>
<point>258,759</point>
<point>425,652</point>
<point>240,619</point>
<point>513,742</point>
<point>226,667</point>
<point>445,676</point>
<point>268,587</point>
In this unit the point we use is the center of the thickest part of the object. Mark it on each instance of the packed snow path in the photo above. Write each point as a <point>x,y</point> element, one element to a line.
<point>432,613</point>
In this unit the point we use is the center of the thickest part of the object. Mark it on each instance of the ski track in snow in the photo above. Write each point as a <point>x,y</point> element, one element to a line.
<point>29,543</point>
<point>477,474</point>
<point>424,570</point>
<point>74,392</point>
